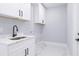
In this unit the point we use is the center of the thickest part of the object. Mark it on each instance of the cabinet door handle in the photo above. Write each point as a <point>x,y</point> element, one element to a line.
<point>19,12</point>
<point>42,21</point>
<point>25,52</point>
<point>77,39</point>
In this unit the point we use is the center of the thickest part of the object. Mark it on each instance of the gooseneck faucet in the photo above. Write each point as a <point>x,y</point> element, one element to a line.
<point>15,28</point>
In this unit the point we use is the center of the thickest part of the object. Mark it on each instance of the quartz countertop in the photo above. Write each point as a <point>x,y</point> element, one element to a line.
<point>6,39</point>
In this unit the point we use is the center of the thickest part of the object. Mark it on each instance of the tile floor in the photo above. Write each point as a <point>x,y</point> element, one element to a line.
<point>52,49</point>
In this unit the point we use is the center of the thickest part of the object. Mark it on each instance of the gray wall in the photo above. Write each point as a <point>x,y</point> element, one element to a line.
<point>55,29</point>
<point>6,26</point>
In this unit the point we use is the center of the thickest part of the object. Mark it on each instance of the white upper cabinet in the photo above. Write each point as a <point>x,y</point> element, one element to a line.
<point>39,13</point>
<point>16,10</point>
<point>9,9</point>
<point>26,10</point>
<point>26,47</point>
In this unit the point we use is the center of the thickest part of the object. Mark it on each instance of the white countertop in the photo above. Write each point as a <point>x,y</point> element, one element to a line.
<point>6,39</point>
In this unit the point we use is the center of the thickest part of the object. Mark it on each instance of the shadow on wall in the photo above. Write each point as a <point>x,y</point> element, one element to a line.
<point>6,26</point>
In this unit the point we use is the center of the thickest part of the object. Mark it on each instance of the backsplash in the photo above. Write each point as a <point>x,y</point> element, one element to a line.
<point>6,26</point>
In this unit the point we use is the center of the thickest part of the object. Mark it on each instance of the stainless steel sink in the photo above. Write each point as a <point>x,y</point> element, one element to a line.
<point>17,38</point>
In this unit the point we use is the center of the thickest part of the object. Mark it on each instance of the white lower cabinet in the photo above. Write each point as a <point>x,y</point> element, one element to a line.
<point>19,52</point>
<point>30,48</point>
<point>38,12</point>
<point>22,48</point>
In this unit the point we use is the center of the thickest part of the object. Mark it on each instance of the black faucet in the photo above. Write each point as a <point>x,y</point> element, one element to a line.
<point>15,28</point>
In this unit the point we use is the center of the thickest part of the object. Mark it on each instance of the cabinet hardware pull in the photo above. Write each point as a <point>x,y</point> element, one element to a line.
<point>25,52</point>
<point>20,12</point>
<point>77,39</point>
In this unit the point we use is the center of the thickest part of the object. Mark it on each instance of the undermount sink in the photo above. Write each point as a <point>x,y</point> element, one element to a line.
<point>17,38</point>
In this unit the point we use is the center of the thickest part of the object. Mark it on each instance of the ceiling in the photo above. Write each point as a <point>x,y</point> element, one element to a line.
<point>50,5</point>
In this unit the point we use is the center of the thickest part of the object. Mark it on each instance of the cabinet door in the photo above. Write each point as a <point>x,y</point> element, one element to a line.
<point>17,49</point>
<point>31,47</point>
<point>10,9</point>
<point>26,8</point>
<point>18,52</point>
<point>31,50</point>
<point>41,13</point>
<point>35,12</point>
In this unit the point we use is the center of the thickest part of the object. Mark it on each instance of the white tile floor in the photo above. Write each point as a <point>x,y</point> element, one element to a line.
<point>52,49</point>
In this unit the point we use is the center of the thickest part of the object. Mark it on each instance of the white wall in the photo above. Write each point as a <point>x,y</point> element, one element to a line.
<point>72,27</point>
<point>6,26</point>
<point>69,27</point>
<point>55,29</point>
